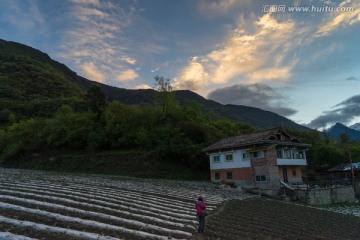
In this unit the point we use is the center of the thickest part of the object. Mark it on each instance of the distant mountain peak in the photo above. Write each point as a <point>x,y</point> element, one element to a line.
<point>355,126</point>
<point>338,129</point>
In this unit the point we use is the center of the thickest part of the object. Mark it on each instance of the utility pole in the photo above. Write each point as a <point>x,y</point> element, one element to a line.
<point>350,159</point>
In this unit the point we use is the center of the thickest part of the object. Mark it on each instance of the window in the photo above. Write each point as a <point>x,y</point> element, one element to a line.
<point>229,175</point>
<point>279,154</point>
<point>217,176</point>
<point>246,156</point>
<point>260,178</point>
<point>258,154</point>
<point>228,157</point>
<point>216,158</point>
<point>294,173</point>
<point>287,154</point>
<point>299,155</point>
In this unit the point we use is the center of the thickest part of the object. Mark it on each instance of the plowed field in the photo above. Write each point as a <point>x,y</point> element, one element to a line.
<point>269,219</point>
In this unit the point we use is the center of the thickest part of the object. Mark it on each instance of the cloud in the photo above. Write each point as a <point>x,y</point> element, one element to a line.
<point>254,95</point>
<point>193,77</point>
<point>128,60</point>
<point>92,2</point>
<point>95,34</point>
<point>345,112</point>
<point>270,74</point>
<point>155,70</point>
<point>127,75</point>
<point>219,7</point>
<point>143,86</point>
<point>92,72</point>
<point>24,18</point>
<point>256,57</point>
<point>349,14</point>
<point>352,78</point>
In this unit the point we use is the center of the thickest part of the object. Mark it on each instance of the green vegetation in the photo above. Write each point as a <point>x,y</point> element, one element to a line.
<point>326,152</point>
<point>174,138</point>
<point>48,112</point>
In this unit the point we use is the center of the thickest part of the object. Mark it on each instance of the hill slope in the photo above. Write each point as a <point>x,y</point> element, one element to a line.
<point>30,84</point>
<point>29,74</point>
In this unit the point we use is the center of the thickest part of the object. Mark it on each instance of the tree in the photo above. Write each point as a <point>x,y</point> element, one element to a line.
<point>162,84</point>
<point>345,141</point>
<point>70,129</point>
<point>165,97</point>
<point>96,99</point>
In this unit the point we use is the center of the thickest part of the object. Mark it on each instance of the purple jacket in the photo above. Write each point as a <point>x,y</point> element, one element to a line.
<point>200,208</point>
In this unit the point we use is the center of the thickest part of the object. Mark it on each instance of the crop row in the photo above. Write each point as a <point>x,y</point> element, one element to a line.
<point>44,205</point>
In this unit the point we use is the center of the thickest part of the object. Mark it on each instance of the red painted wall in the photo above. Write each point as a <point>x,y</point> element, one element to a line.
<point>237,174</point>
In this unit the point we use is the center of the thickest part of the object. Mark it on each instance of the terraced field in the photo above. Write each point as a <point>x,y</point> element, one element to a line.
<point>44,205</point>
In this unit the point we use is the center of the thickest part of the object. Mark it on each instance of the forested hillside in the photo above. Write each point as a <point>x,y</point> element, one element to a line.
<point>51,118</point>
<point>41,64</point>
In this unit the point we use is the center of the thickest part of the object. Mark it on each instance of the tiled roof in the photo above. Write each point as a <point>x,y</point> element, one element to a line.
<point>262,137</point>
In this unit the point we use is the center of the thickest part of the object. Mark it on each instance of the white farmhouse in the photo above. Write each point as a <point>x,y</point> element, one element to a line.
<point>262,159</point>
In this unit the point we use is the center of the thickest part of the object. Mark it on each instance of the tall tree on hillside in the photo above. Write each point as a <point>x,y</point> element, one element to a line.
<point>345,141</point>
<point>165,96</point>
<point>96,99</point>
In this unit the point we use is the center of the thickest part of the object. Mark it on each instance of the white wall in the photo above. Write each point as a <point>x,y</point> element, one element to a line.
<point>237,162</point>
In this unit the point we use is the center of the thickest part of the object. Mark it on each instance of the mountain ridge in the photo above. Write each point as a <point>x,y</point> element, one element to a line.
<point>338,129</point>
<point>257,117</point>
<point>355,126</point>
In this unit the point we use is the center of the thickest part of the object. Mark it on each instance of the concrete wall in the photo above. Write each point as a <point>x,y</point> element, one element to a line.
<point>237,162</point>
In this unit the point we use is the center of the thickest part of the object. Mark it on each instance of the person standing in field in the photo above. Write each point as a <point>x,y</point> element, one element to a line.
<point>201,213</point>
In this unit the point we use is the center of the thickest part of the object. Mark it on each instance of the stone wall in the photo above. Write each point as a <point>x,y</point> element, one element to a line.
<point>357,190</point>
<point>325,196</point>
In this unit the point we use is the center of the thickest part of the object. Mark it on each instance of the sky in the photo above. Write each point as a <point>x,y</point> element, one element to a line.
<point>297,58</point>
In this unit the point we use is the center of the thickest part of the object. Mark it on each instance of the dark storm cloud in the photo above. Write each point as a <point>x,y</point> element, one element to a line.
<point>344,113</point>
<point>352,78</point>
<point>253,95</point>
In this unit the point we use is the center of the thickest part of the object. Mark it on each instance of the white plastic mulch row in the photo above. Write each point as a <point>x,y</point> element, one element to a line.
<point>142,194</point>
<point>163,203</point>
<point>100,225</point>
<point>64,197</point>
<point>10,236</point>
<point>169,206</point>
<point>130,194</point>
<point>106,216</point>
<point>120,192</point>
<point>46,228</point>
<point>180,189</point>
<point>142,208</point>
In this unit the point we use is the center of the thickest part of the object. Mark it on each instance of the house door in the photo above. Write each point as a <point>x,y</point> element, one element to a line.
<point>285,176</point>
